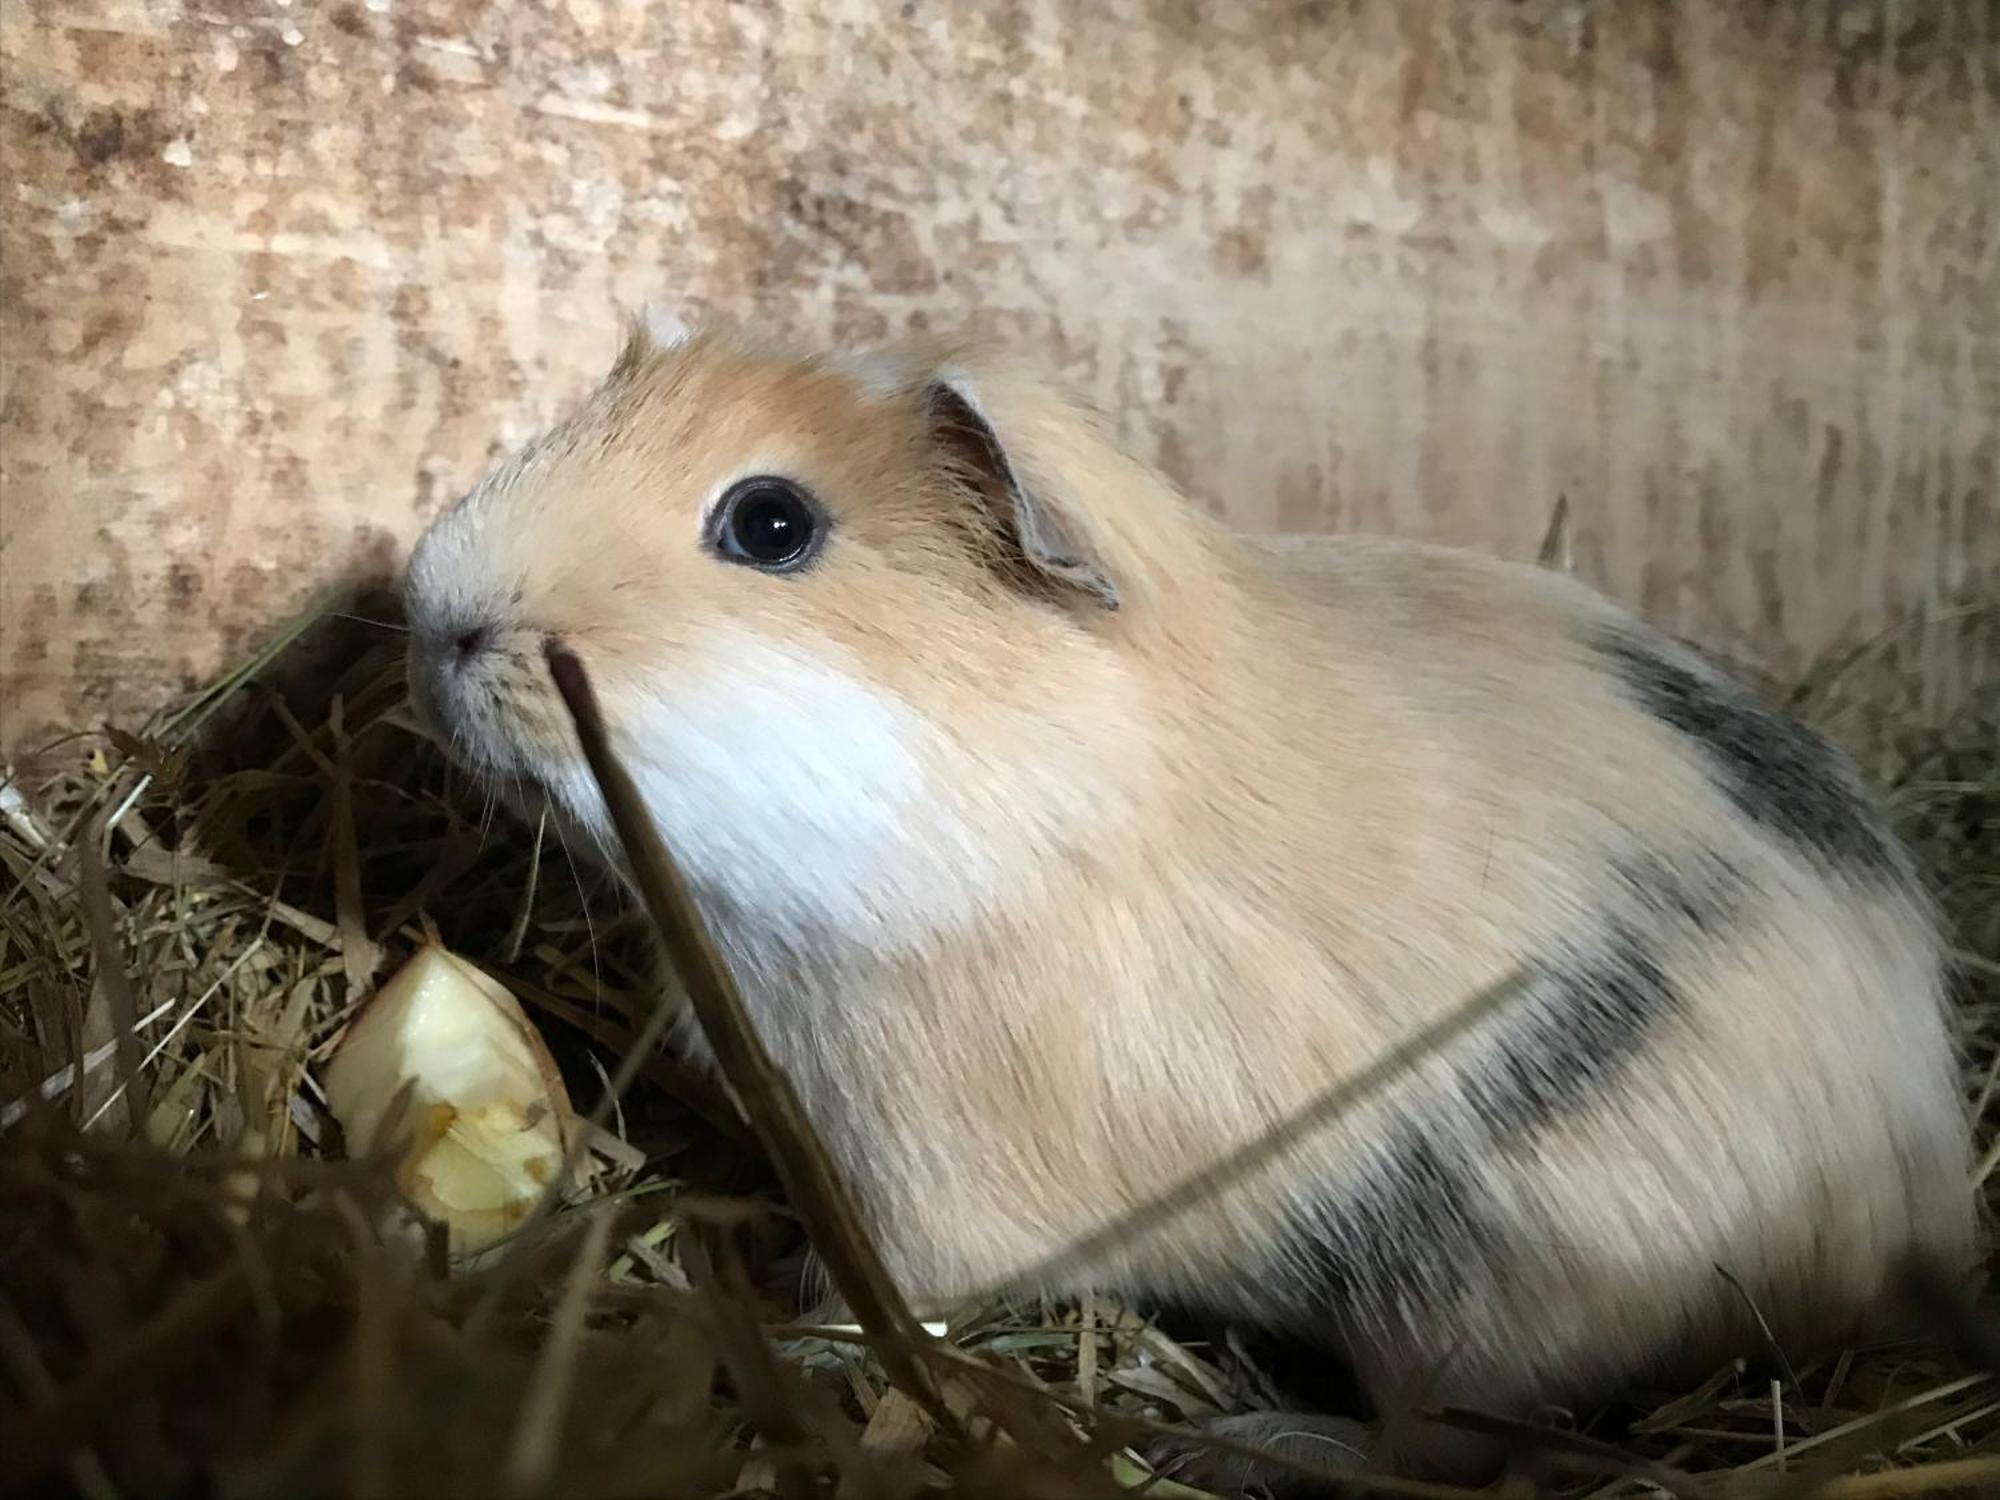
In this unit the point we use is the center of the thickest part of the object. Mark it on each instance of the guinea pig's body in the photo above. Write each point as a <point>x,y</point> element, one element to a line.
<point>1065,842</point>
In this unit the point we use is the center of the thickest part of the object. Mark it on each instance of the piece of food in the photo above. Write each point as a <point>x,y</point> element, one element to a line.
<point>443,1071</point>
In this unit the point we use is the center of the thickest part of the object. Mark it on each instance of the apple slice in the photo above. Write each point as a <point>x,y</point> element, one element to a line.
<point>486,1124</point>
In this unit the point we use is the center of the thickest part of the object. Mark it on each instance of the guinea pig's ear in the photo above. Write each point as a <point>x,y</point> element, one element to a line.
<point>652,329</point>
<point>1052,543</point>
<point>664,326</point>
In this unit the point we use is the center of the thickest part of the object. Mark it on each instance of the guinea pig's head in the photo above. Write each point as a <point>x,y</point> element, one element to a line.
<point>858,629</point>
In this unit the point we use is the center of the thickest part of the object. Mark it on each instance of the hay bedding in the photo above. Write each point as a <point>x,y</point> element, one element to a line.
<point>199,1293</point>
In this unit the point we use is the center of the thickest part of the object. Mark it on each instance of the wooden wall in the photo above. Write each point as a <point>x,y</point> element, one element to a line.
<point>278,279</point>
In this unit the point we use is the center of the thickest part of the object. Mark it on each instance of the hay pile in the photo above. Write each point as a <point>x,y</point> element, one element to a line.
<point>198,1293</point>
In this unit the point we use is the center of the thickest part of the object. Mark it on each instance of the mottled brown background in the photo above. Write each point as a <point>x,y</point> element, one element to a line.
<point>279,279</point>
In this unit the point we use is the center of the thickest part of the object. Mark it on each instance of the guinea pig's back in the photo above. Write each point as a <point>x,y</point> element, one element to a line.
<point>1498,686</point>
<point>1731,1047</point>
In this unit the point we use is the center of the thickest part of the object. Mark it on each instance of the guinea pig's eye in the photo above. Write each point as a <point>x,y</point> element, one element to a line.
<point>768,523</point>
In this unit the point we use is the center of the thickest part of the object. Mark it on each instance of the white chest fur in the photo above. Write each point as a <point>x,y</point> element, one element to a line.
<point>806,797</point>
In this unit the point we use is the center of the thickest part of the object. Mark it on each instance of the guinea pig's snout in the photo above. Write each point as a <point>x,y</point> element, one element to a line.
<point>444,664</point>
<point>470,644</point>
<point>454,649</point>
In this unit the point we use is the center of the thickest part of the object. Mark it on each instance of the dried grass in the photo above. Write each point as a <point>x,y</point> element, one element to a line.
<point>198,1294</point>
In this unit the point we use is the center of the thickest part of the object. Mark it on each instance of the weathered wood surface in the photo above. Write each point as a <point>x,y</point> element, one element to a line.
<point>280,279</point>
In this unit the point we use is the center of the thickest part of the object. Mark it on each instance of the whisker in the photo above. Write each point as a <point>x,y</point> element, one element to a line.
<point>364,620</point>
<point>518,938</point>
<point>583,900</point>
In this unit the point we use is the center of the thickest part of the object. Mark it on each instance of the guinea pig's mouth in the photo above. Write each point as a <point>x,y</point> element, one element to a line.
<point>495,712</point>
<point>519,781</point>
<point>489,757</point>
<point>512,771</point>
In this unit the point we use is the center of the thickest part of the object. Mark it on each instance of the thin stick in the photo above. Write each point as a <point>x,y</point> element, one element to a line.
<point>812,1183</point>
<point>518,938</point>
<point>371,1357</point>
<point>1086,1348</point>
<point>38,1438</point>
<point>95,890</point>
<point>762,1383</point>
<point>1554,551</point>
<point>1770,1339</point>
<point>181,1021</point>
<point>177,728</point>
<point>1874,1418</point>
<point>532,1455</point>
<point>60,1082</point>
<point>1128,1426</point>
<point>1198,1188</point>
<point>21,1359</point>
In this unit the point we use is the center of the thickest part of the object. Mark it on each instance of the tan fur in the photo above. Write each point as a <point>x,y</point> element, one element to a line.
<point>1178,866</point>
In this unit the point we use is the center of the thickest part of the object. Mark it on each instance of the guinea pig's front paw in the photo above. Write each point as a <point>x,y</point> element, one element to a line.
<point>1336,1445</point>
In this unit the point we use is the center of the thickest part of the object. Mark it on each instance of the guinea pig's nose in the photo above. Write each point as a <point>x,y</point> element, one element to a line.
<point>471,643</point>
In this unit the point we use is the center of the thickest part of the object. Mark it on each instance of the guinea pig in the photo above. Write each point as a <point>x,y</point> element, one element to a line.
<point>1065,840</point>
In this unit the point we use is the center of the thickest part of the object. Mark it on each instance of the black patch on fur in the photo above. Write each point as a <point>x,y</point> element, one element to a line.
<point>1579,1025</point>
<point>1776,772</point>
<point>1405,1233</point>
<point>1699,895</point>
<point>1583,1018</point>
<point>1410,1230</point>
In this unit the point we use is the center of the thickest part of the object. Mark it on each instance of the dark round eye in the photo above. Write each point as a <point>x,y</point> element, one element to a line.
<point>769,523</point>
